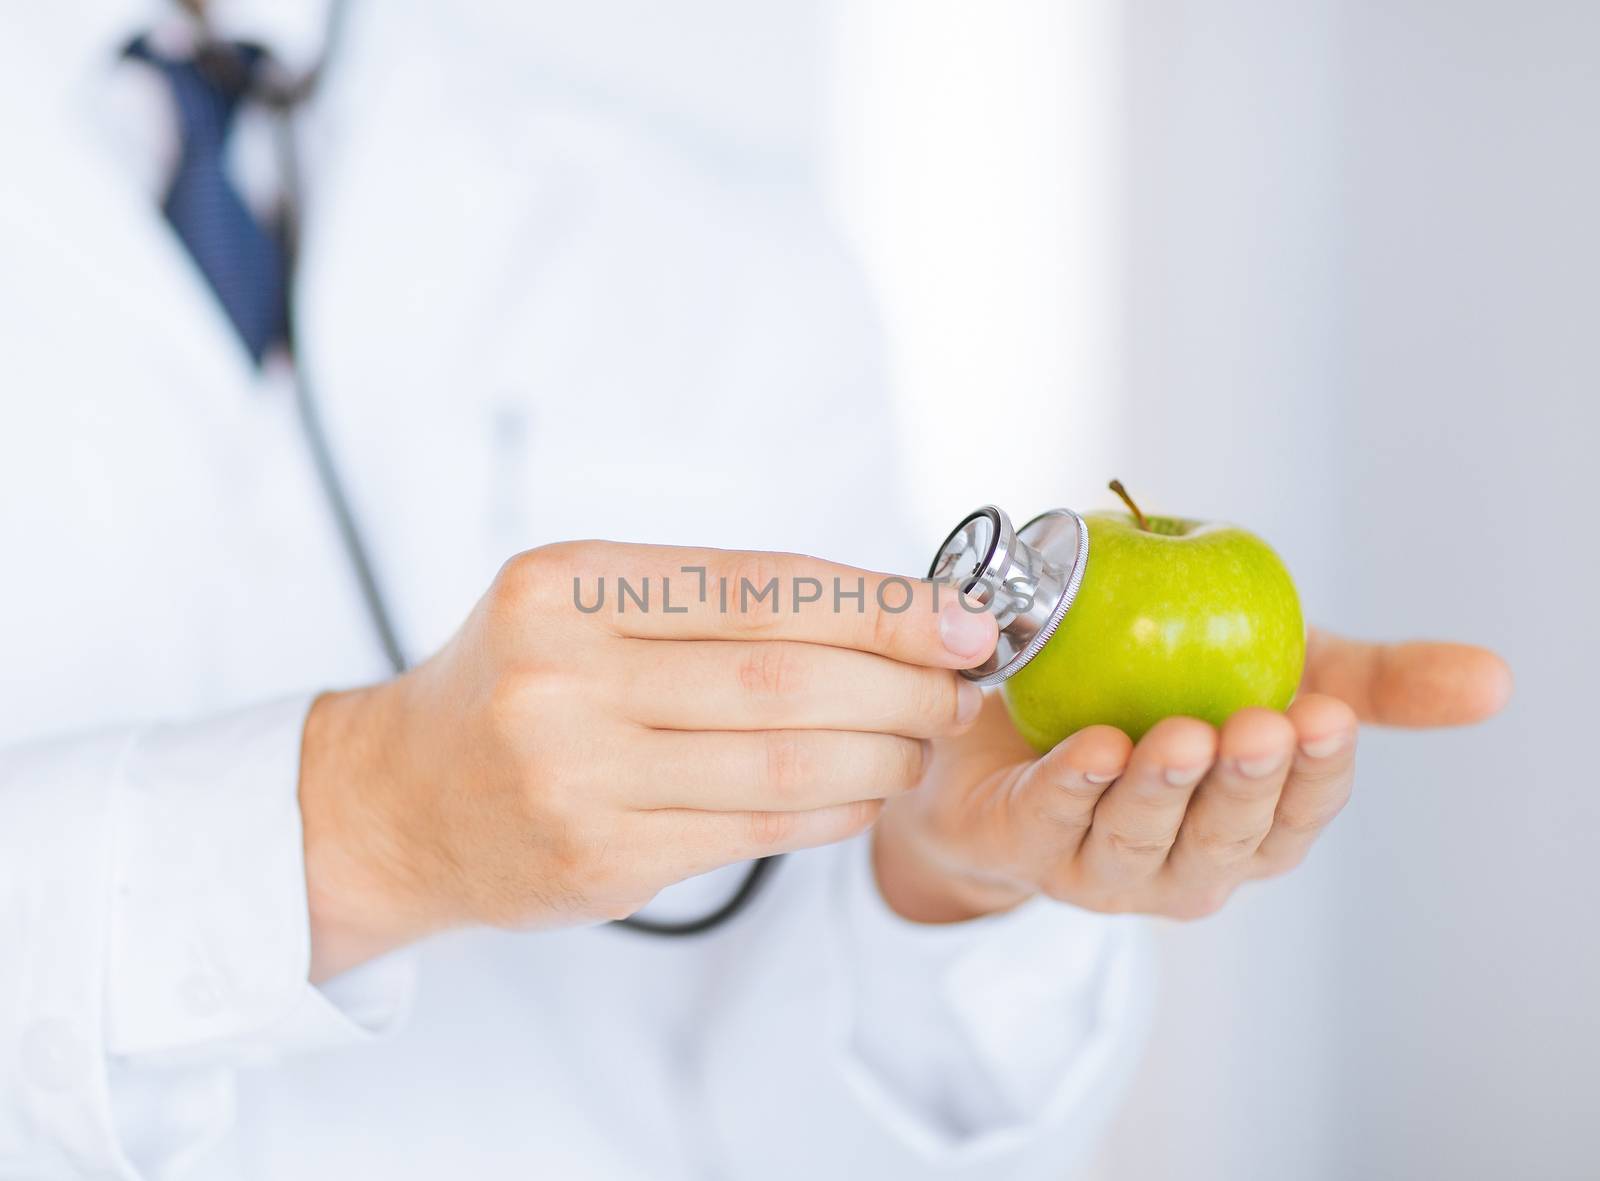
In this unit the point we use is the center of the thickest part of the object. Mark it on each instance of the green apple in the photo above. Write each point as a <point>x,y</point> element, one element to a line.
<point>1173,617</point>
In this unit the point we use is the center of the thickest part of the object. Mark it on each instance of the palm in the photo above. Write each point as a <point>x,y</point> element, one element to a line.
<point>1170,825</point>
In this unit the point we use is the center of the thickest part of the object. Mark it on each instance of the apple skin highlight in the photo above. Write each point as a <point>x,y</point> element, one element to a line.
<point>1176,618</point>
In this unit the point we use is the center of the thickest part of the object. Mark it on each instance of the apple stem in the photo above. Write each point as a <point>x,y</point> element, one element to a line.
<point>1116,486</point>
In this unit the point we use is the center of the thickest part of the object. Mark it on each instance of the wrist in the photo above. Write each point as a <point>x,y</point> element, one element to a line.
<point>364,891</point>
<point>921,885</point>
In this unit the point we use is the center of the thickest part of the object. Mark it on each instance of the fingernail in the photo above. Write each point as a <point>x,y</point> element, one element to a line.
<point>1323,748</point>
<point>1183,776</point>
<point>969,700</point>
<point>967,634</point>
<point>1097,777</point>
<point>1259,768</point>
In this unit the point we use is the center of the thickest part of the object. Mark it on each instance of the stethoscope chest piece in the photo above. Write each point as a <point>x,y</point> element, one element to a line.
<point>1026,578</point>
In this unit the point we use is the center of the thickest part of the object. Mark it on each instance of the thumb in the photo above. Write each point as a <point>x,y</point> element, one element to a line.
<point>1412,684</point>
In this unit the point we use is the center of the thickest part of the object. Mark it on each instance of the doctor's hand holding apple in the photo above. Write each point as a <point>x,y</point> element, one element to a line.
<point>1187,638</point>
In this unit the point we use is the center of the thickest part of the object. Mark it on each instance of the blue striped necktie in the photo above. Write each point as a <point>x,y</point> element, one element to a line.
<point>244,261</point>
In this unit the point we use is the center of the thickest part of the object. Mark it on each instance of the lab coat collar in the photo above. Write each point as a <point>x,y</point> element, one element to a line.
<point>87,37</point>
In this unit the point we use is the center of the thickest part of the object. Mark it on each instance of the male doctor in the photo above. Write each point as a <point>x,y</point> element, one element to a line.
<point>269,909</point>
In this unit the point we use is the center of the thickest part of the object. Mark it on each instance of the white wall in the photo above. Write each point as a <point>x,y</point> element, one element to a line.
<point>1369,230</point>
<point>1469,308</point>
<point>1346,254</point>
<point>962,135</point>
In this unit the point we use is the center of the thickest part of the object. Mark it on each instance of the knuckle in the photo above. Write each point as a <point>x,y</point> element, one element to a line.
<point>1068,822</point>
<point>856,818</point>
<point>771,830</point>
<point>885,629</point>
<point>788,763</point>
<point>587,855</point>
<point>510,702</point>
<point>571,557</point>
<point>551,809</point>
<point>755,583</point>
<point>1066,825</point>
<point>1139,845</point>
<point>1304,822</point>
<point>863,815</point>
<point>1078,791</point>
<point>548,798</point>
<point>939,700</point>
<point>519,696</point>
<point>518,569</point>
<point>564,886</point>
<point>1227,846</point>
<point>772,670</point>
<point>584,861</point>
<point>550,578</point>
<point>1322,777</point>
<point>909,763</point>
<point>530,574</point>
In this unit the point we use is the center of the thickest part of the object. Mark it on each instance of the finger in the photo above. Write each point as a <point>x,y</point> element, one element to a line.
<point>774,770</point>
<point>1318,784</point>
<point>1232,809</point>
<point>1138,818</point>
<point>1053,802</point>
<point>663,592</point>
<point>784,685</point>
<point>1416,684</point>
<point>689,842</point>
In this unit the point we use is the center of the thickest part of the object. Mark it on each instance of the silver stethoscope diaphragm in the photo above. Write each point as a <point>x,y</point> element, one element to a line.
<point>1026,578</point>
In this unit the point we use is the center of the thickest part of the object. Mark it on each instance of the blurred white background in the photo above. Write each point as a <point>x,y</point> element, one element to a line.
<point>1327,268</point>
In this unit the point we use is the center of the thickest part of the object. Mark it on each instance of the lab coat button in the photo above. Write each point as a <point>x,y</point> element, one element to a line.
<point>203,995</point>
<point>54,1056</point>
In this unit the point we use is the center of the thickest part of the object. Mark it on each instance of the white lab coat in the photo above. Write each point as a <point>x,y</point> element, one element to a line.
<point>531,314</point>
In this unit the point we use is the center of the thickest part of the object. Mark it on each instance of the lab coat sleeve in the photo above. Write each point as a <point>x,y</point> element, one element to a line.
<point>152,895</point>
<point>996,1048</point>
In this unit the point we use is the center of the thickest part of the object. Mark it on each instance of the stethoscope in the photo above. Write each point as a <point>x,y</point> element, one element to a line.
<point>1026,577</point>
